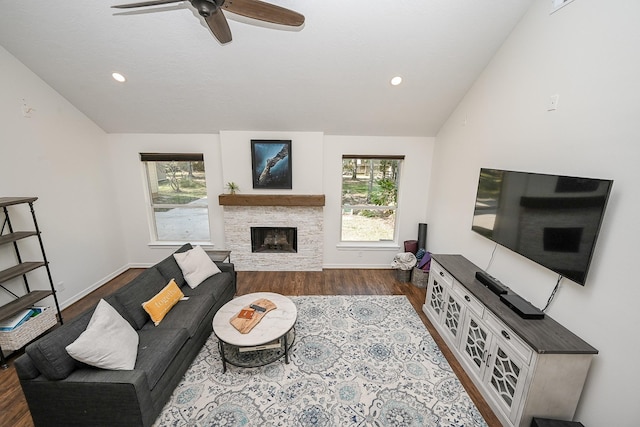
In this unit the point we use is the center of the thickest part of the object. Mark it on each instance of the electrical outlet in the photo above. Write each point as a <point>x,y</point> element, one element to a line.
<point>553,102</point>
<point>60,287</point>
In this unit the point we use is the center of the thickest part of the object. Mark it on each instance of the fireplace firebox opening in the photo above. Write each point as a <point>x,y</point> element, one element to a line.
<point>274,239</point>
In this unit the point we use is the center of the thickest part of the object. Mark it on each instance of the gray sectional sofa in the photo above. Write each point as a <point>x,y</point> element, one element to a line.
<point>61,391</point>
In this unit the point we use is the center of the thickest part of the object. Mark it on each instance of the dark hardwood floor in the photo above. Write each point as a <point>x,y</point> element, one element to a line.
<point>13,407</point>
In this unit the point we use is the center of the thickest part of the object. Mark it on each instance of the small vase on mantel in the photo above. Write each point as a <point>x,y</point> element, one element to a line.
<point>232,187</point>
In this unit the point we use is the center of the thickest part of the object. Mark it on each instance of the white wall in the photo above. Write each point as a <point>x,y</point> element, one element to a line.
<point>306,158</point>
<point>227,158</point>
<point>132,199</point>
<point>57,154</point>
<point>587,52</point>
<point>412,197</point>
<point>317,169</point>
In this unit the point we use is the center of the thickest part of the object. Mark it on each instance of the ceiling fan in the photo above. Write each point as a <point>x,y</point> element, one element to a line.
<point>211,11</point>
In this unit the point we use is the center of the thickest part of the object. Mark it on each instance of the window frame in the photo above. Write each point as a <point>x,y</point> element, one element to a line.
<point>151,206</point>
<point>371,243</point>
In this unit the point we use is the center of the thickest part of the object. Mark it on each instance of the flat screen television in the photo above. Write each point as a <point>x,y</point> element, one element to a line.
<point>553,220</point>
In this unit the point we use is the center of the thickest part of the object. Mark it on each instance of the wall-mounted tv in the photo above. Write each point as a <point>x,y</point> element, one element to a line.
<point>553,220</point>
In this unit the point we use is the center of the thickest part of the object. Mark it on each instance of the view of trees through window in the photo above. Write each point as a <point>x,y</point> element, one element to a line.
<point>369,198</point>
<point>178,193</point>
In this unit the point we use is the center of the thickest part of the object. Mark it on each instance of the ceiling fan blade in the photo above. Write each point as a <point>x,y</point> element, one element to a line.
<point>219,26</point>
<point>145,3</point>
<point>262,11</point>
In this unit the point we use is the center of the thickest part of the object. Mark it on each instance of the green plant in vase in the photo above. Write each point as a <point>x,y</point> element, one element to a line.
<point>232,187</point>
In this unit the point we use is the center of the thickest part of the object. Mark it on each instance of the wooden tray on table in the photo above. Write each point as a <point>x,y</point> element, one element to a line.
<point>249,317</point>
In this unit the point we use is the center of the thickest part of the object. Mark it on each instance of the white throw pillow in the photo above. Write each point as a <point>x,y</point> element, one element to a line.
<point>109,342</point>
<point>196,266</point>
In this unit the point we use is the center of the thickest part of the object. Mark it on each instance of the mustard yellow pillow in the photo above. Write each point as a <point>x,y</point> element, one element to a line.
<point>162,302</point>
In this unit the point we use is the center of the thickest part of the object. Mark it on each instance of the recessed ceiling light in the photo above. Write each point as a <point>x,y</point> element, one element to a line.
<point>396,80</point>
<point>118,77</point>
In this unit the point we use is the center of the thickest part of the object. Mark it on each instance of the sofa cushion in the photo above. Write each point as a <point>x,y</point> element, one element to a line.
<point>139,290</point>
<point>158,306</point>
<point>109,342</point>
<point>157,349</point>
<point>187,314</point>
<point>170,269</point>
<point>214,286</point>
<point>48,353</point>
<point>196,266</point>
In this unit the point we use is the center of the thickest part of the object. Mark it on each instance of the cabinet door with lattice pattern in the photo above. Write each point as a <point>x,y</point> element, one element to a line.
<point>436,296</point>
<point>474,344</point>
<point>453,316</point>
<point>505,377</point>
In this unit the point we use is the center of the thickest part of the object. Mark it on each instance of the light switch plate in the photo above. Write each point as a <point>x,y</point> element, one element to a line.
<point>557,4</point>
<point>553,102</point>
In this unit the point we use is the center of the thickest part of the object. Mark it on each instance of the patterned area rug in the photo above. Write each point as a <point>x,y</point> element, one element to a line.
<point>356,361</point>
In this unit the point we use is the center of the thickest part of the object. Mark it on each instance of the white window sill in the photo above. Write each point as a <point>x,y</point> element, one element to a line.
<point>374,246</point>
<point>176,245</point>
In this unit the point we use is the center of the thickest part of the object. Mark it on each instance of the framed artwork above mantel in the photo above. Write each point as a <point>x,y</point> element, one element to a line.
<point>271,164</point>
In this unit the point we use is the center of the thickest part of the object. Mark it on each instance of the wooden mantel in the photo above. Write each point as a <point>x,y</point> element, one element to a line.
<point>271,199</point>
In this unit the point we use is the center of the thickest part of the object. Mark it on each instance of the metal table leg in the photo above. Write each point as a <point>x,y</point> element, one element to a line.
<point>3,361</point>
<point>224,360</point>
<point>286,349</point>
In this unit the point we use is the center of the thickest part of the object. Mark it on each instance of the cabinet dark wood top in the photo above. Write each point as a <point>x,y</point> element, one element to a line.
<point>543,335</point>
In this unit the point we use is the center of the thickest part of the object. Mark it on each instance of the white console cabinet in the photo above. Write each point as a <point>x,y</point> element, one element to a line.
<point>524,368</point>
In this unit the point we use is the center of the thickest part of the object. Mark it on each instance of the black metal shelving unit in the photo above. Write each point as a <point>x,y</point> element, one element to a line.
<point>28,298</point>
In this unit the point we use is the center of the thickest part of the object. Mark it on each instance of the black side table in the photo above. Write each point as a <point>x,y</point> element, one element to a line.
<point>546,422</point>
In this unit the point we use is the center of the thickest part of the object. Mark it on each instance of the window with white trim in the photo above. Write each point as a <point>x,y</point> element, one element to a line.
<point>178,206</point>
<point>369,197</point>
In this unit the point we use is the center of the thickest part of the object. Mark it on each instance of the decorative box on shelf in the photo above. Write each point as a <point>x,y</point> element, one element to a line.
<point>29,330</point>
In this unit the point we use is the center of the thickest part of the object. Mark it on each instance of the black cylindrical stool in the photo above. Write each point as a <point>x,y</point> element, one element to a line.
<point>546,422</point>
<point>422,236</point>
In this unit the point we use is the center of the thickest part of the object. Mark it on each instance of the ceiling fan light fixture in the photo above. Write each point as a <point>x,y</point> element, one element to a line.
<point>211,11</point>
<point>396,81</point>
<point>118,77</point>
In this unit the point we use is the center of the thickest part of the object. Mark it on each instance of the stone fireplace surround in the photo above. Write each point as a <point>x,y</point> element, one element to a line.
<point>241,212</point>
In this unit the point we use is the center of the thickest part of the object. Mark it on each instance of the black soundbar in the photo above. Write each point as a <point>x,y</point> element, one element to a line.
<point>524,308</point>
<point>515,302</point>
<point>491,282</point>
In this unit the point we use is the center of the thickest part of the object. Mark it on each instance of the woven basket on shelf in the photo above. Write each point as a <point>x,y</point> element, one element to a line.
<point>28,331</point>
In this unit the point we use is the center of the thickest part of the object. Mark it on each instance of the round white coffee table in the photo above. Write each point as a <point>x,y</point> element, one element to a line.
<point>267,342</point>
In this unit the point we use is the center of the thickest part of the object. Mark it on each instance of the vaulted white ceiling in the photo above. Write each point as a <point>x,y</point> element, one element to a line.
<point>332,75</point>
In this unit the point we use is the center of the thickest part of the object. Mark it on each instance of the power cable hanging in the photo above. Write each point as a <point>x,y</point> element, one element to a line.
<point>492,255</point>
<point>553,293</point>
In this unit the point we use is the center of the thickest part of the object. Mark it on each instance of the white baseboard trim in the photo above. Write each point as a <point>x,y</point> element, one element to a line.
<point>358,266</point>
<point>141,265</point>
<point>75,298</point>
